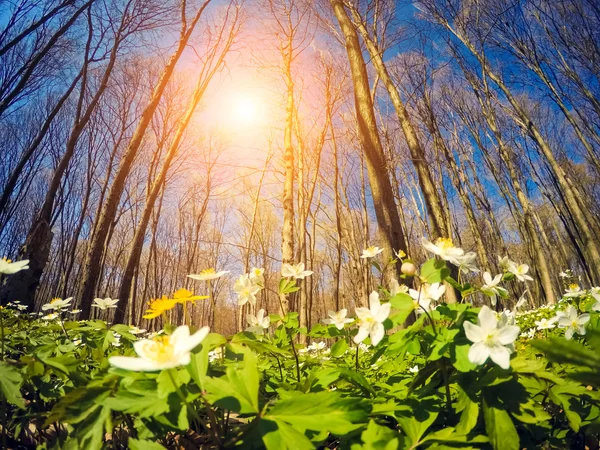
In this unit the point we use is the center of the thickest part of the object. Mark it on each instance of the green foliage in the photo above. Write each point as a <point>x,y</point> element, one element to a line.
<point>418,388</point>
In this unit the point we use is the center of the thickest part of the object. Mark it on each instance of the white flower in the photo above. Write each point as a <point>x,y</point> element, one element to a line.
<point>489,340</point>
<point>530,334</point>
<point>466,262</point>
<point>246,290</point>
<point>546,324</point>
<point>105,303</point>
<point>259,323</point>
<point>522,301</point>
<point>427,294</point>
<point>491,288</point>
<point>50,316</point>
<point>507,318</point>
<point>574,290</point>
<point>135,330</point>
<point>57,303</point>
<point>208,274</point>
<point>7,267</point>
<point>215,354</point>
<point>21,307</point>
<point>519,271</point>
<point>445,249</point>
<point>75,311</point>
<point>295,271</point>
<point>596,306</point>
<point>397,288</point>
<point>338,318</point>
<point>572,322</point>
<point>371,252</point>
<point>317,346</point>
<point>505,262</point>
<point>165,352</point>
<point>414,369</point>
<point>371,320</point>
<point>257,275</point>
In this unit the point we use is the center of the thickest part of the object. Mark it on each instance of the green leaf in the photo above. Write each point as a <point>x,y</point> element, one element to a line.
<point>403,305</point>
<point>377,437</point>
<point>278,435</point>
<point>238,390</point>
<point>321,411</point>
<point>339,348</point>
<point>434,271</point>
<point>500,428</point>
<point>144,444</point>
<point>10,384</point>
<point>198,367</point>
<point>415,423</point>
<point>469,410</point>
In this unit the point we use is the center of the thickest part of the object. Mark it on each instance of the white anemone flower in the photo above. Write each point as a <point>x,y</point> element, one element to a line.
<point>466,263</point>
<point>546,324</point>
<point>136,330</point>
<point>596,306</point>
<point>50,316</point>
<point>208,274</point>
<point>259,323</point>
<point>574,290</point>
<point>490,340</point>
<point>371,252</point>
<point>505,262</point>
<point>522,302</point>
<point>519,271</point>
<point>445,249</point>
<point>57,303</point>
<point>491,288</point>
<point>257,275</point>
<point>338,319</point>
<point>246,290</point>
<point>414,369</point>
<point>427,294</point>
<point>295,271</point>
<point>371,320</point>
<point>572,322</point>
<point>165,352</point>
<point>105,303</point>
<point>7,267</point>
<point>317,346</point>
<point>397,288</point>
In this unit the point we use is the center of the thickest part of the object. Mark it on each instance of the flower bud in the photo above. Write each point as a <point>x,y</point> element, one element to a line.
<point>408,269</point>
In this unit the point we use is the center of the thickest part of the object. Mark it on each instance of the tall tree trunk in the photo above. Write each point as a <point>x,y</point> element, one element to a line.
<point>381,189</point>
<point>109,211</point>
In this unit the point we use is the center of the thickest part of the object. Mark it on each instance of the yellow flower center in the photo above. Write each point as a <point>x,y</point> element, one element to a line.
<point>444,243</point>
<point>55,300</point>
<point>208,271</point>
<point>574,286</point>
<point>159,350</point>
<point>6,260</point>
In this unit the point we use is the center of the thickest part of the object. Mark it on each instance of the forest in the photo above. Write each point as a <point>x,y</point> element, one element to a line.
<point>317,223</point>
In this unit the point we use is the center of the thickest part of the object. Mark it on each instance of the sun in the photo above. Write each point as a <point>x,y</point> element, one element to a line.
<point>245,109</point>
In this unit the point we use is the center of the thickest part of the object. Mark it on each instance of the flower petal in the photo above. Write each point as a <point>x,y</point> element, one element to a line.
<point>192,341</point>
<point>362,334</point>
<point>377,333</point>
<point>507,335</point>
<point>474,333</point>
<point>383,313</point>
<point>132,363</point>
<point>487,319</point>
<point>500,355</point>
<point>478,353</point>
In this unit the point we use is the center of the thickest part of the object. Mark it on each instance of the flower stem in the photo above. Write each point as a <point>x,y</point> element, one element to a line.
<point>357,363</point>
